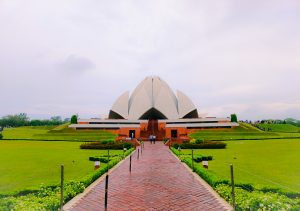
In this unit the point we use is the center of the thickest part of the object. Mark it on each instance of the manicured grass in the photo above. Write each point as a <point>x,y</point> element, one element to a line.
<point>28,164</point>
<point>272,163</point>
<point>280,128</point>
<point>243,132</point>
<point>56,134</point>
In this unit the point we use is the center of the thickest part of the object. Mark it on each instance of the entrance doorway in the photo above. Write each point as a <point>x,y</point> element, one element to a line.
<point>173,133</point>
<point>132,133</point>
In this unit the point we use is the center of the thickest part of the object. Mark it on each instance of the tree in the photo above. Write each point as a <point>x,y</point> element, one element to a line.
<point>74,119</point>
<point>233,118</point>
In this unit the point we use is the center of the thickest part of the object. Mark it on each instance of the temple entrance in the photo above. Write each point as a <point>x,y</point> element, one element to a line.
<point>174,133</point>
<point>153,129</point>
<point>132,133</point>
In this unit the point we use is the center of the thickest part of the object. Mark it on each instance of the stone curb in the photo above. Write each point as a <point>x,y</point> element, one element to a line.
<point>70,204</point>
<point>205,184</point>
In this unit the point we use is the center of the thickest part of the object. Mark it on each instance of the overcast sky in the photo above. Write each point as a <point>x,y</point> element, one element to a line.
<point>60,57</point>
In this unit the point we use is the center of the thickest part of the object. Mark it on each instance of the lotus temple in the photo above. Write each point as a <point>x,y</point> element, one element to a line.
<point>153,109</point>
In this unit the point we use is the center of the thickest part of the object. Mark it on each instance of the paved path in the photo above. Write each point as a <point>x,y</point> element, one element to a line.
<point>158,181</point>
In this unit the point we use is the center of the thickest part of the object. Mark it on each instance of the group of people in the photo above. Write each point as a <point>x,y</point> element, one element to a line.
<point>152,139</point>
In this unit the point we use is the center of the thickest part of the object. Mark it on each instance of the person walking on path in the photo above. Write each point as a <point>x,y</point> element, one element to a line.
<point>154,139</point>
<point>151,138</point>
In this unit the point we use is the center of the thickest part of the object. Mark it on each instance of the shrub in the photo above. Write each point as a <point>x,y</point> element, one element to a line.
<point>107,141</point>
<point>99,145</point>
<point>200,158</point>
<point>193,141</point>
<point>1,136</point>
<point>198,141</point>
<point>204,145</point>
<point>101,159</point>
<point>175,145</point>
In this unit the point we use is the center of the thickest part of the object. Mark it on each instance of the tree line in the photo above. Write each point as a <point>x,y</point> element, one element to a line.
<point>18,120</point>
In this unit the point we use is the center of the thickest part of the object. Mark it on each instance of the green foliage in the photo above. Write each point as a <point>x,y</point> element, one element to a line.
<point>1,136</point>
<point>99,145</point>
<point>107,142</point>
<point>200,158</point>
<point>22,119</point>
<point>74,119</point>
<point>204,145</point>
<point>198,141</point>
<point>233,118</point>
<point>101,159</point>
<point>257,200</point>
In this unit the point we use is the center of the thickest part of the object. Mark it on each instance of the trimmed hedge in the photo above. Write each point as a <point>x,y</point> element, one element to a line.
<point>204,145</point>
<point>100,145</point>
<point>101,159</point>
<point>200,158</point>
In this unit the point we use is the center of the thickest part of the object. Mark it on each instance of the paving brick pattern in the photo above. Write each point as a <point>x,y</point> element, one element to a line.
<point>158,181</point>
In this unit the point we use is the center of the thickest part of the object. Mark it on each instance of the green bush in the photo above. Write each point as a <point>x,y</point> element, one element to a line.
<point>200,158</point>
<point>175,145</point>
<point>99,145</point>
<point>204,145</point>
<point>101,159</point>
<point>257,200</point>
<point>1,136</point>
<point>198,141</point>
<point>107,142</point>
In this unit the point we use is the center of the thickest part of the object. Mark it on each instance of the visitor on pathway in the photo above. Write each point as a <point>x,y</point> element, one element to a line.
<point>154,139</point>
<point>151,138</point>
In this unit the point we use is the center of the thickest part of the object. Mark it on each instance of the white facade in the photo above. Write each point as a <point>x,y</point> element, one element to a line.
<point>152,96</point>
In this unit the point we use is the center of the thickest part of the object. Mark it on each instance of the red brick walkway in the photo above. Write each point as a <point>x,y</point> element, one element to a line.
<point>158,181</point>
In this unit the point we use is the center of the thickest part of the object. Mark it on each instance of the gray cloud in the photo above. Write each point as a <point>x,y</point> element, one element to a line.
<point>76,63</point>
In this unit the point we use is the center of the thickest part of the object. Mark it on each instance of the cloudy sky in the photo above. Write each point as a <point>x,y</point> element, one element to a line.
<point>65,57</point>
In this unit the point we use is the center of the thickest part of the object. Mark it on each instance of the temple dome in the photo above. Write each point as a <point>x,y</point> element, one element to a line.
<point>153,99</point>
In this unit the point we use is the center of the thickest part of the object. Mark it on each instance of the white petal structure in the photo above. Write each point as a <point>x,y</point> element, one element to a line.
<point>153,99</point>
<point>120,108</point>
<point>185,105</point>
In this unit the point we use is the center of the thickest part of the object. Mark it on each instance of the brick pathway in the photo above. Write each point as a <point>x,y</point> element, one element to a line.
<point>158,181</point>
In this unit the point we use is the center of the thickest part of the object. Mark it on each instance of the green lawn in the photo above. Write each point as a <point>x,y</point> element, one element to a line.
<point>273,163</point>
<point>27,164</point>
<point>280,128</point>
<point>54,134</point>
<point>244,131</point>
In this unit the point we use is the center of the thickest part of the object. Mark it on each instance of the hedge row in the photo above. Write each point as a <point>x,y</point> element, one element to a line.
<point>203,145</point>
<point>99,145</point>
<point>101,159</point>
<point>200,158</point>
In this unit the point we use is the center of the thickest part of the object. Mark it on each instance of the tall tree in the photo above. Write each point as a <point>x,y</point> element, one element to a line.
<point>74,119</point>
<point>233,118</point>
